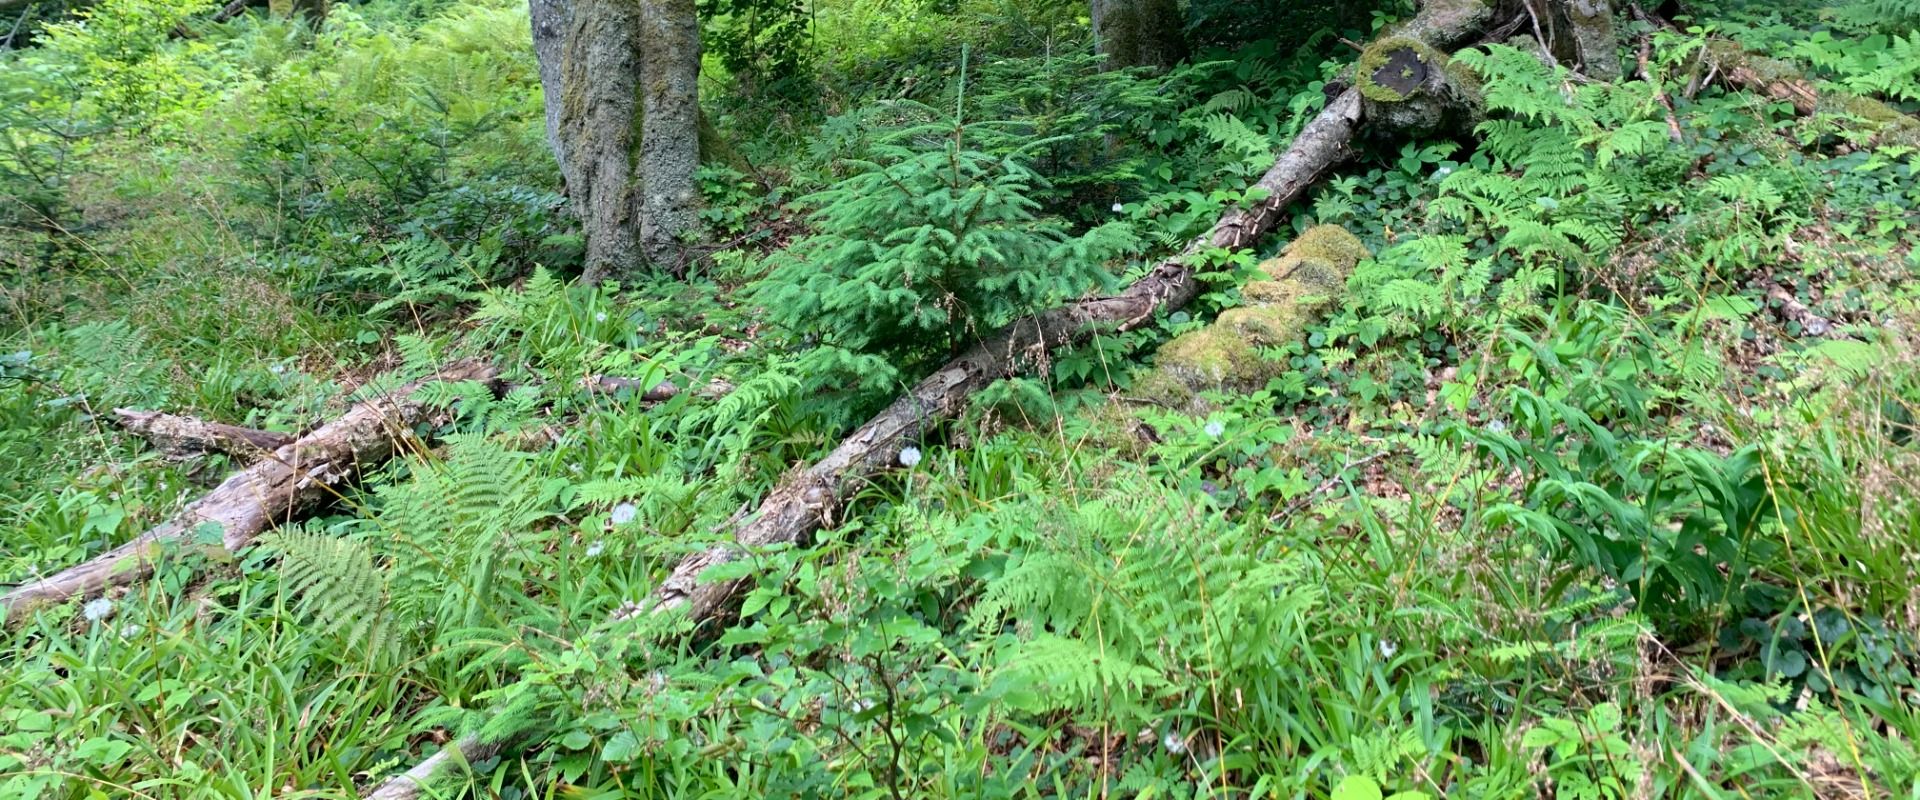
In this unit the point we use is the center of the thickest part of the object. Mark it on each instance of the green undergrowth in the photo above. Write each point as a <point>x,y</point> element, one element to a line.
<point>1596,478</point>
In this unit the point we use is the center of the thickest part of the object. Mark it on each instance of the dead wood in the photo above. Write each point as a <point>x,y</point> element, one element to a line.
<point>1784,82</point>
<point>185,437</point>
<point>657,393</point>
<point>294,480</point>
<point>807,498</point>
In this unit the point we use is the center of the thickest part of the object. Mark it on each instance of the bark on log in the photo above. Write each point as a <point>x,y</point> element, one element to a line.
<point>230,10</point>
<point>296,479</point>
<point>185,437</point>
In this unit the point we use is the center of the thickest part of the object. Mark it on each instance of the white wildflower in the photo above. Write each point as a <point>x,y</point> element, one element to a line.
<point>1215,428</point>
<point>277,369</point>
<point>624,513</point>
<point>1174,742</point>
<point>594,550</point>
<point>909,456</point>
<point>1497,426</point>
<point>1388,648</point>
<point>573,468</point>
<point>1118,208</point>
<point>130,631</point>
<point>600,317</point>
<point>97,609</point>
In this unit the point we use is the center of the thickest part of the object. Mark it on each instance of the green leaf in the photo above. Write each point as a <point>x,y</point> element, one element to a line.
<point>620,749</point>
<point>1604,717</point>
<point>1357,787</point>
<point>1536,738</point>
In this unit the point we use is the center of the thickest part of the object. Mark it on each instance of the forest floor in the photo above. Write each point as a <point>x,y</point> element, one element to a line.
<point>1595,474</point>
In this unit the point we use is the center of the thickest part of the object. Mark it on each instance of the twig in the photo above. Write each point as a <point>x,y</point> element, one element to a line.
<point>1645,55</point>
<point>231,10</point>
<point>1325,485</point>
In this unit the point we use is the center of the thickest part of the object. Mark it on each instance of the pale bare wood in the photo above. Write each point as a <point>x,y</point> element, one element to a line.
<point>292,481</point>
<point>182,436</point>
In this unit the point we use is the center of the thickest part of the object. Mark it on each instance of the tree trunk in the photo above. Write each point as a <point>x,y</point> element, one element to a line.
<point>550,20</point>
<point>621,79</point>
<point>1138,33</point>
<point>670,139</point>
<point>296,479</point>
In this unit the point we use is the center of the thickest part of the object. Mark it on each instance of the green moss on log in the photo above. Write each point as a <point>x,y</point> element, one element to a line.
<point>1305,278</point>
<point>1397,68</point>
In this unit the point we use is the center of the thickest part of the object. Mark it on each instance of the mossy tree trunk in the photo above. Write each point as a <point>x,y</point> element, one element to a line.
<point>623,118</point>
<point>1138,33</point>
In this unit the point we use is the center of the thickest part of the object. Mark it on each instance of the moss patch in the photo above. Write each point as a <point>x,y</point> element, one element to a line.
<point>1212,357</point>
<point>1265,325</point>
<point>1396,68</point>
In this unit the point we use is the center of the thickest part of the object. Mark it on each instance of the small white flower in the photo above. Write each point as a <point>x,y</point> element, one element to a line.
<point>594,550</point>
<point>600,317</point>
<point>624,513</point>
<point>130,631</point>
<point>97,609</point>
<point>909,456</point>
<point>1174,742</point>
<point>573,468</point>
<point>1118,208</point>
<point>1443,172</point>
<point>277,369</point>
<point>1214,429</point>
<point>1497,426</point>
<point>1388,648</point>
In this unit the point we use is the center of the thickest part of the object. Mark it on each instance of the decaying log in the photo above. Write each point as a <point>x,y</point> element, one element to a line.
<point>230,10</point>
<point>185,437</point>
<point>657,393</point>
<point>294,480</point>
<point>412,783</point>
<point>1783,81</point>
<point>1290,293</point>
<point>807,498</point>
<point>1448,24</point>
<point>1410,88</point>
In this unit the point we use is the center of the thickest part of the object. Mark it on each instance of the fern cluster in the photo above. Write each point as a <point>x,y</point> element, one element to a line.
<point>1111,604</point>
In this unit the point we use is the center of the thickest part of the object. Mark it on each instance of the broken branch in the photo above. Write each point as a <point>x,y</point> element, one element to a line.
<point>293,481</point>
<point>184,437</point>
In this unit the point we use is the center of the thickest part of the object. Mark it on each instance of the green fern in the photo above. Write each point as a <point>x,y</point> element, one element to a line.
<point>339,585</point>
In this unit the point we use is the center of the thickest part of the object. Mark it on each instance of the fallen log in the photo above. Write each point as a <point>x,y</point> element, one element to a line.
<point>657,393</point>
<point>1784,82</point>
<point>803,501</point>
<point>184,437</point>
<point>295,479</point>
<point>806,498</point>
